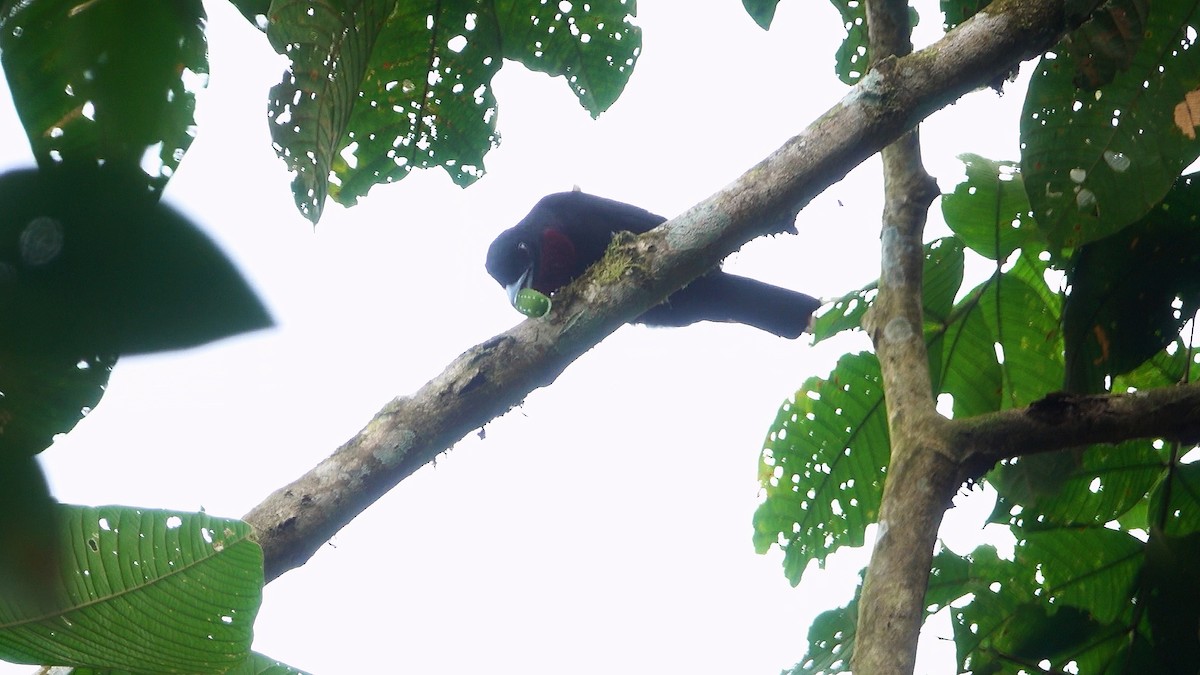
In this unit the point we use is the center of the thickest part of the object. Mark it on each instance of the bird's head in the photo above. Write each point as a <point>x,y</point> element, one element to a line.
<point>512,260</point>
<point>533,255</point>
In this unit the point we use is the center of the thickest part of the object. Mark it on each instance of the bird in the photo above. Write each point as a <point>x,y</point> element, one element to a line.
<point>566,232</point>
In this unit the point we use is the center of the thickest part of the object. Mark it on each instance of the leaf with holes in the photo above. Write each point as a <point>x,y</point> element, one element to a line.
<point>1108,41</point>
<point>1095,162</point>
<point>1131,293</point>
<point>379,87</point>
<point>143,591</point>
<point>852,55</point>
<point>1007,619</point>
<point>1091,487</point>
<point>111,81</point>
<point>989,210</point>
<point>44,394</point>
<point>822,466</point>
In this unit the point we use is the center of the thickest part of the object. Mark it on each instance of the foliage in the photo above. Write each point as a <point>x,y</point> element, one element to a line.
<point>1091,239</point>
<point>1095,253</point>
<point>92,267</point>
<point>86,91</point>
<point>122,594</point>
<point>381,87</point>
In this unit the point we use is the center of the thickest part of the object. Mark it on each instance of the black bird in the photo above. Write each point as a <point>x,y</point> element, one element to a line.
<point>567,232</point>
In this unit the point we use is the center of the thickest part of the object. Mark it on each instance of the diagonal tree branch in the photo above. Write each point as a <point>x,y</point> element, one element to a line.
<point>490,378</point>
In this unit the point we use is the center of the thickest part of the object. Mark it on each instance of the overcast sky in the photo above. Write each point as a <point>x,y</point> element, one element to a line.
<point>604,526</point>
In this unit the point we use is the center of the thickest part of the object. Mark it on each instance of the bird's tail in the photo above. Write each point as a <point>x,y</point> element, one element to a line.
<point>719,296</point>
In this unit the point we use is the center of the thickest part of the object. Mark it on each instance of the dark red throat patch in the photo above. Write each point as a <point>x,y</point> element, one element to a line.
<point>558,265</point>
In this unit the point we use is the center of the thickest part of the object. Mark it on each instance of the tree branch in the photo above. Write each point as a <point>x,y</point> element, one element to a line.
<point>492,377</point>
<point>920,481</point>
<point>1063,420</point>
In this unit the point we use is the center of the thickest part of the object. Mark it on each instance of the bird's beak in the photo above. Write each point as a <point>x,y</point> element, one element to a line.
<point>522,281</point>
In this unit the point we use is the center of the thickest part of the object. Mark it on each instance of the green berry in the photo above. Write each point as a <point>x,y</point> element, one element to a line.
<point>531,303</point>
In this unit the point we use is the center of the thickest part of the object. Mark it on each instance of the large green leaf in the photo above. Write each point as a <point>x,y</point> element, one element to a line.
<point>144,591</point>
<point>989,210</point>
<point>822,466</point>
<point>111,81</point>
<point>1097,485</point>
<point>1175,502</point>
<point>380,87</point>
<point>1171,589</point>
<point>1094,162</point>
<point>1025,326</point>
<point>91,264</point>
<point>970,373</point>
<point>1107,43</point>
<point>43,394</point>
<point>254,664</point>
<point>1066,597</point>
<point>1132,292</point>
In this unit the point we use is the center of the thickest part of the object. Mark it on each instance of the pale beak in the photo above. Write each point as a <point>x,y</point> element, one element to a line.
<point>515,287</point>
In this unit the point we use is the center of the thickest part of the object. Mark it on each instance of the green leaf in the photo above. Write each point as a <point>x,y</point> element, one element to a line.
<point>1026,327</point>
<point>1014,618</point>
<point>1094,162</point>
<point>1132,292</point>
<point>329,43</point>
<point>46,394</point>
<point>845,313</point>
<point>145,591</point>
<point>958,11</point>
<point>110,81</point>
<point>1175,502</point>
<point>1171,589</point>
<point>379,87</point>
<point>762,11</point>
<point>254,664</point>
<point>64,235</point>
<point>1091,487</point>
<point>822,466</point>
<point>1094,569</point>
<point>544,37</point>
<point>1107,43</point>
<point>831,641</point>
<point>970,372</point>
<point>989,210</point>
<point>852,55</point>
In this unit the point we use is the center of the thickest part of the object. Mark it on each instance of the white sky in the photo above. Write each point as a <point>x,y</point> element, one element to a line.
<point>605,526</point>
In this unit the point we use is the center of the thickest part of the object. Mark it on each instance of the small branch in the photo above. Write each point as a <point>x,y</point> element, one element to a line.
<point>491,378</point>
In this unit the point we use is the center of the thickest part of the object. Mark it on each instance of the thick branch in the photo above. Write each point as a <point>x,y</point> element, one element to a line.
<point>921,479</point>
<point>492,377</point>
<point>1072,420</point>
